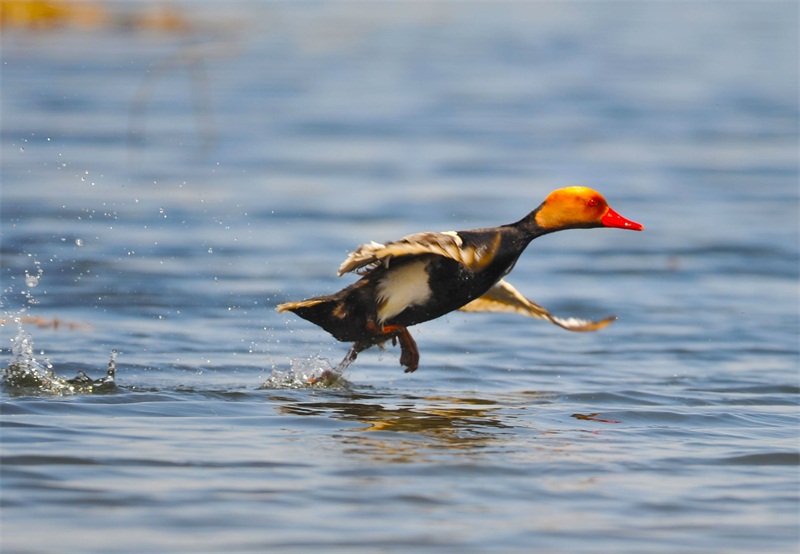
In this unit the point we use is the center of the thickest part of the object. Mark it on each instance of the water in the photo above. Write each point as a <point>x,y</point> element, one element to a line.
<point>162,191</point>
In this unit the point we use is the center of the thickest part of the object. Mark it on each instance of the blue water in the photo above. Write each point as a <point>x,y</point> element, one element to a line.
<point>162,191</point>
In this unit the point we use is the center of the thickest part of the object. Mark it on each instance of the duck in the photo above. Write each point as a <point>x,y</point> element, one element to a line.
<point>426,275</point>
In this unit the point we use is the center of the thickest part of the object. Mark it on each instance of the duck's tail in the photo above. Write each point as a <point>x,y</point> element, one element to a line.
<point>328,312</point>
<point>296,306</point>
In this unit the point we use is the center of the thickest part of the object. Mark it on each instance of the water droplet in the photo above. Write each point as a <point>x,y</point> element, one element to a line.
<point>31,280</point>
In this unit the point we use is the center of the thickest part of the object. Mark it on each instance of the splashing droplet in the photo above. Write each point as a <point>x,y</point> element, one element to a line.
<point>313,372</point>
<point>31,280</point>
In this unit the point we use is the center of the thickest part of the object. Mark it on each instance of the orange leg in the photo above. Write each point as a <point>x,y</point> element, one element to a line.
<point>409,353</point>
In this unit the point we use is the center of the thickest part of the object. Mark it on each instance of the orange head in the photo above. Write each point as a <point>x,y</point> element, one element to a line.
<point>579,207</point>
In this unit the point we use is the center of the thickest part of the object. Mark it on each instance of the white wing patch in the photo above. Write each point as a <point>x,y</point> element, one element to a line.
<point>447,244</point>
<point>402,287</point>
<point>503,297</point>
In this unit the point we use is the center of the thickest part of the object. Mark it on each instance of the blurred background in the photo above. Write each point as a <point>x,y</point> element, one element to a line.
<point>173,170</point>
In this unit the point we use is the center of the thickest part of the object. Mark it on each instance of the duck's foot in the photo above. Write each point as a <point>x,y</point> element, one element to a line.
<point>409,353</point>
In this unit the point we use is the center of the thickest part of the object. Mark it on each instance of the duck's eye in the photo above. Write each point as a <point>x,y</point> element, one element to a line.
<point>592,203</point>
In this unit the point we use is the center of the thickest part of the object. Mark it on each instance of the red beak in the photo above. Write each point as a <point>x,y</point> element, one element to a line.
<point>613,219</point>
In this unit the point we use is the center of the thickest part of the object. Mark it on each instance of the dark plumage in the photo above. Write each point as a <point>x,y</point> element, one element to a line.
<point>426,275</point>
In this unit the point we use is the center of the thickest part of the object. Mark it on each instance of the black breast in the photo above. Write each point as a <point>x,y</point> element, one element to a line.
<point>452,285</point>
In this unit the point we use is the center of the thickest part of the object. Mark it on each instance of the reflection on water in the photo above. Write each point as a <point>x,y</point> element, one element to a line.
<point>439,420</point>
<point>436,415</point>
<point>409,428</point>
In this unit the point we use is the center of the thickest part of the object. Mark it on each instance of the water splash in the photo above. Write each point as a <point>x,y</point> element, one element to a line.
<point>27,375</point>
<point>311,372</point>
<point>32,280</point>
<point>84,383</point>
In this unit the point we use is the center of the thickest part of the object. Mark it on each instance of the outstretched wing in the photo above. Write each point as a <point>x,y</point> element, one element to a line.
<point>502,297</point>
<point>447,244</point>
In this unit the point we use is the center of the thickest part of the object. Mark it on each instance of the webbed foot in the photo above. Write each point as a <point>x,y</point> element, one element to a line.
<point>409,353</point>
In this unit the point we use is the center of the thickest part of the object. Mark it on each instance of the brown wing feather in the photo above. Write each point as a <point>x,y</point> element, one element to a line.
<point>503,297</point>
<point>447,244</point>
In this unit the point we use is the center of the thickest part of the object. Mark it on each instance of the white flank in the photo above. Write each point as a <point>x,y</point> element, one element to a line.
<point>402,287</point>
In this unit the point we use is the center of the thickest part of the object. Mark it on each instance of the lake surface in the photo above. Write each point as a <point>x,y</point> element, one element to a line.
<point>164,189</point>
